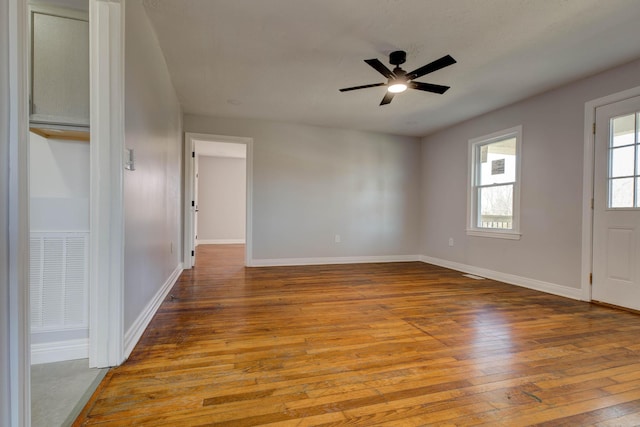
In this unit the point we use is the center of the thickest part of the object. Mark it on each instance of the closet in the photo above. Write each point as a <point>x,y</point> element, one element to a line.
<point>59,182</point>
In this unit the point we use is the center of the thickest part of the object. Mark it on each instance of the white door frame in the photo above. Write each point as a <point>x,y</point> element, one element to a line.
<point>587,183</point>
<point>106,250</point>
<point>189,149</point>
<point>19,386</point>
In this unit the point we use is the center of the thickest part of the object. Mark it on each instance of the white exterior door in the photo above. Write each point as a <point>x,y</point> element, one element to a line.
<point>616,216</point>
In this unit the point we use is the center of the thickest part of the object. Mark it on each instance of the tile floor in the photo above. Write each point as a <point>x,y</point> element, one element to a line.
<point>60,390</point>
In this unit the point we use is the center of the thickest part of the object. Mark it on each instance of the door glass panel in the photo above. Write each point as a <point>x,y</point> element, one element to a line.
<point>621,193</point>
<point>622,161</point>
<point>496,207</point>
<point>623,130</point>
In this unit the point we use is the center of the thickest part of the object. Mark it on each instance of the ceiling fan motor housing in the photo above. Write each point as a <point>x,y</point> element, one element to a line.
<point>397,57</point>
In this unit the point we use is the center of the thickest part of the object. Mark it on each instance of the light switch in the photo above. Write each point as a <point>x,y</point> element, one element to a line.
<point>129,161</point>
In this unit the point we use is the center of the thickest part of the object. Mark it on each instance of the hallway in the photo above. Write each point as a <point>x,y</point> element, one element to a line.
<point>367,344</point>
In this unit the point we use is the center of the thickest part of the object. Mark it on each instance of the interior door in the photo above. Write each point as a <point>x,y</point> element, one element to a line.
<point>196,164</point>
<point>616,216</point>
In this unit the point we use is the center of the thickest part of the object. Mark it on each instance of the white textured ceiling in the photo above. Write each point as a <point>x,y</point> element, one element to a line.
<point>286,59</point>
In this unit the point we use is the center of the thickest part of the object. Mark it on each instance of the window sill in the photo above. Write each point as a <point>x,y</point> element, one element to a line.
<point>510,235</point>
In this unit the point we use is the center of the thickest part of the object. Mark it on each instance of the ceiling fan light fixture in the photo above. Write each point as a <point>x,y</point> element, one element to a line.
<point>397,87</point>
<point>399,80</point>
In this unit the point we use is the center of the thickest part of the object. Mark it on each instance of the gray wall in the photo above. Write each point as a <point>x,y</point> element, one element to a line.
<point>5,371</point>
<point>310,183</point>
<point>151,192</point>
<point>221,198</point>
<point>551,186</point>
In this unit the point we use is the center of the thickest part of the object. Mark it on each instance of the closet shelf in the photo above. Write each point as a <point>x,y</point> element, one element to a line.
<point>68,134</point>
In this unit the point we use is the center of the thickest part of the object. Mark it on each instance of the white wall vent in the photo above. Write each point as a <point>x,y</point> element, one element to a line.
<point>59,281</point>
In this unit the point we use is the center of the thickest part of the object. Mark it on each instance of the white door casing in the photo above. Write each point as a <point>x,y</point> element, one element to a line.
<point>616,230</point>
<point>106,259</point>
<point>15,407</point>
<point>188,251</point>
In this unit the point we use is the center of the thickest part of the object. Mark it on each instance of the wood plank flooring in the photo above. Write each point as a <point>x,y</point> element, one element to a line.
<point>399,344</point>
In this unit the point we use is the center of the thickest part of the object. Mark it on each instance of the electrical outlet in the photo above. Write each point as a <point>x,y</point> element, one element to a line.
<point>337,238</point>
<point>450,241</point>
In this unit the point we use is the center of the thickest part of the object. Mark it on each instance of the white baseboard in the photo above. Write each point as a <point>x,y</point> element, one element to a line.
<point>220,242</point>
<point>332,260</point>
<point>59,351</point>
<point>134,333</point>
<point>525,282</point>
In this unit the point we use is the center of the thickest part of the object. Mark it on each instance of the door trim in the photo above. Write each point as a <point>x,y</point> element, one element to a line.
<point>19,337</point>
<point>106,247</point>
<point>588,171</point>
<point>189,147</point>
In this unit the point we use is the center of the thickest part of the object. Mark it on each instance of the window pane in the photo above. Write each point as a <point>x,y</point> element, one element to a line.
<point>637,192</point>
<point>622,162</point>
<point>497,162</point>
<point>623,130</point>
<point>496,207</point>
<point>621,193</point>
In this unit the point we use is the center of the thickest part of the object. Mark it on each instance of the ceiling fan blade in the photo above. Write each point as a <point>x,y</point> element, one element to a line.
<point>445,61</point>
<point>380,67</point>
<point>387,98</point>
<point>346,89</point>
<point>428,87</point>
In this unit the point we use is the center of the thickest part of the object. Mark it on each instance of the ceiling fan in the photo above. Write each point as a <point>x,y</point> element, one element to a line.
<point>399,80</point>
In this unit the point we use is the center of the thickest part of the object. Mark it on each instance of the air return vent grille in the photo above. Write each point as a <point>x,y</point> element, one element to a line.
<point>59,281</point>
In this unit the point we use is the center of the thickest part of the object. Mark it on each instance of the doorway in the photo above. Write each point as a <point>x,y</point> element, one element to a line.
<point>59,194</point>
<point>616,212</point>
<point>220,193</point>
<point>105,337</point>
<point>214,147</point>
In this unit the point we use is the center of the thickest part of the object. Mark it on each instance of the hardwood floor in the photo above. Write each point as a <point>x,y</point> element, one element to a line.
<point>401,344</point>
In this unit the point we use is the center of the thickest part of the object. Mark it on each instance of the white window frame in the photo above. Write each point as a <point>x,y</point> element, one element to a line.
<point>472,193</point>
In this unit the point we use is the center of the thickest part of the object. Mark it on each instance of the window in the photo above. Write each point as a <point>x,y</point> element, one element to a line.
<point>494,185</point>
<point>624,162</point>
